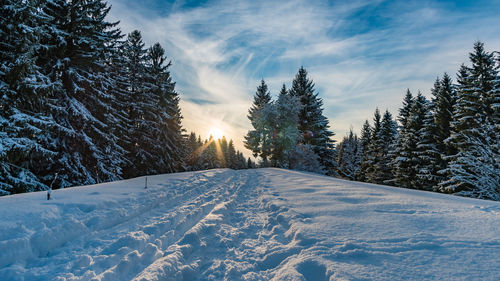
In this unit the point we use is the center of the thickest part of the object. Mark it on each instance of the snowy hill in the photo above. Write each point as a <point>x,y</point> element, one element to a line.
<point>264,224</point>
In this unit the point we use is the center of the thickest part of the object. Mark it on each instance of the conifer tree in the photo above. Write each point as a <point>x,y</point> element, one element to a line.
<point>240,160</point>
<point>23,116</point>
<point>348,156</point>
<point>259,139</point>
<point>407,161</point>
<point>386,148</point>
<point>404,112</point>
<point>75,60</point>
<point>305,159</point>
<point>231,159</point>
<point>287,133</point>
<point>403,154</point>
<point>163,113</point>
<point>443,104</point>
<point>313,125</point>
<point>365,141</point>
<point>250,164</point>
<point>209,158</point>
<point>223,152</point>
<point>494,119</point>
<point>373,149</point>
<point>474,170</point>
<point>427,153</point>
<point>193,150</point>
<point>136,98</point>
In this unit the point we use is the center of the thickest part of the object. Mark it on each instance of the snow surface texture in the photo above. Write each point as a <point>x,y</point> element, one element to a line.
<point>264,224</point>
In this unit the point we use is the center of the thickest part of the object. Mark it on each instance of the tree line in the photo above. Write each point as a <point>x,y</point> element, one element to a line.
<point>448,144</point>
<point>212,154</point>
<point>82,103</point>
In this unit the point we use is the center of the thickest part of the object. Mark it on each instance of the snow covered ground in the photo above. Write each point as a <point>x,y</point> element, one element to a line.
<point>263,224</point>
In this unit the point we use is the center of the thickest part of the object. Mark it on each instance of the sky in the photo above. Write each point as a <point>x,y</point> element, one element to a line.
<point>360,54</point>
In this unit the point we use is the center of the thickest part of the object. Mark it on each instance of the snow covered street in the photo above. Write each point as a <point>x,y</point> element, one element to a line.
<point>258,224</point>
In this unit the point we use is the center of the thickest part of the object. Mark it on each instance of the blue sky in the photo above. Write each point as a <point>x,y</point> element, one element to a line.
<point>360,54</point>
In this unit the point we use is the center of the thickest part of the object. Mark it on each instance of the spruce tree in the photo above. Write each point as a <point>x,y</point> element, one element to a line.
<point>348,156</point>
<point>494,119</point>
<point>287,133</point>
<point>364,141</point>
<point>209,158</point>
<point>193,150</point>
<point>241,163</point>
<point>259,139</point>
<point>404,112</point>
<point>385,151</point>
<point>163,113</point>
<point>23,88</point>
<point>136,99</point>
<point>403,150</point>
<point>474,170</point>
<point>373,150</point>
<point>409,167</point>
<point>74,58</point>
<point>231,159</point>
<point>305,159</point>
<point>443,104</point>
<point>223,152</point>
<point>427,153</point>
<point>313,125</point>
<point>250,164</point>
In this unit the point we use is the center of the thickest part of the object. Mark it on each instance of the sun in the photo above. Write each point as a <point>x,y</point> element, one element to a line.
<point>216,133</point>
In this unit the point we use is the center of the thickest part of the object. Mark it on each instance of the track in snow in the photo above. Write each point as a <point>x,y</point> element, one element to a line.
<point>259,224</point>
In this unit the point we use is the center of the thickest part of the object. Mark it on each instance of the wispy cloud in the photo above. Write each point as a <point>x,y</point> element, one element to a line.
<point>361,54</point>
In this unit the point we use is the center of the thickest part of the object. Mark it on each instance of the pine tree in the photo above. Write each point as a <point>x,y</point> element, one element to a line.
<point>305,159</point>
<point>379,148</point>
<point>121,102</point>
<point>404,112</point>
<point>494,119</point>
<point>386,148</point>
<point>443,104</point>
<point>259,139</point>
<point>427,153</point>
<point>23,116</point>
<point>136,99</point>
<point>163,113</point>
<point>231,159</point>
<point>408,162</point>
<point>364,141</point>
<point>193,150</point>
<point>287,134</point>
<point>313,125</point>
<point>75,60</point>
<point>474,170</point>
<point>209,158</point>
<point>373,150</point>
<point>348,156</point>
<point>431,147</point>
<point>403,150</point>
<point>240,160</point>
<point>223,149</point>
